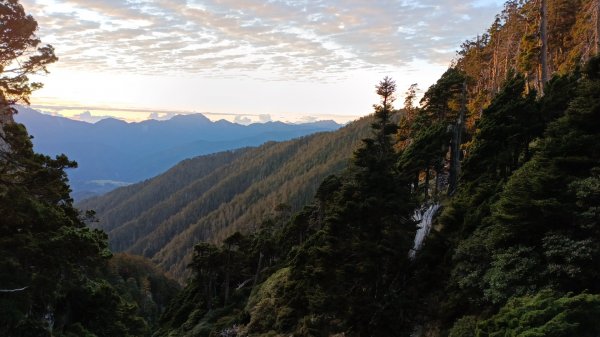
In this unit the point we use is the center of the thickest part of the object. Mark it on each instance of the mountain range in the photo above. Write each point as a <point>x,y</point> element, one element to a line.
<point>112,153</point>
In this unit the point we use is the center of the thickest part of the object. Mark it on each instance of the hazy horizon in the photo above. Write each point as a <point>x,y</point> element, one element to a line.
<point>291,60</point>
<point>158,115</point>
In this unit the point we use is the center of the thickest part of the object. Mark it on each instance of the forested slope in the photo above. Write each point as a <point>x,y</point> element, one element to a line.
<point>514,43</point>
<point>513,253</point>
<point>210,197</point>
<point>514,160</point>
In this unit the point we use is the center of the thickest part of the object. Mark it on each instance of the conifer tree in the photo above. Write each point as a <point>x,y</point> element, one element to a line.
<point>21,55</point>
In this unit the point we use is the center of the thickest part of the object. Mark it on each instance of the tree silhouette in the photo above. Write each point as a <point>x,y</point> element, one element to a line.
<point>21,54</point>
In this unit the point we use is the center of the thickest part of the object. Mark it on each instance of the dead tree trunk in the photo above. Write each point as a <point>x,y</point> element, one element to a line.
<point>227,276</point>
<point>12,290</point>
<point>258,268</point>
<point>456,142</point>
<point>544,41</point>
<point>427,177</point>
<point>597,35</point>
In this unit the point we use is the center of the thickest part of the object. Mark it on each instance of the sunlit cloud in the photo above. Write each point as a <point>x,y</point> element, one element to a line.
<point>250,60</point>
<point>93,114</point>
<point>309,119</point>
<point>278,39</point>
<point>161,116</point>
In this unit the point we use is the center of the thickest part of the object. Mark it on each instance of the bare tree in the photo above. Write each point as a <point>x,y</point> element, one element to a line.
<point>544,41</point>
<point>597,30</point>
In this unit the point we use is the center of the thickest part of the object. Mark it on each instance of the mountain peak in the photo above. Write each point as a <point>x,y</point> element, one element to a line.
<point>196,118</point>
<point>110,121</point>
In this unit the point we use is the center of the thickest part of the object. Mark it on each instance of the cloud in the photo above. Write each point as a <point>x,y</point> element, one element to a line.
<point>285,38</point>
<point>240,119</point>
<point>161,116</point>
<point>308,119</point>
<point>264,118</point>
<point>87,116</point>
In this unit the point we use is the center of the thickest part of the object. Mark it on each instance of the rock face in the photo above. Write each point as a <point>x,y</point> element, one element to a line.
<point>5,116</point>
<point>425,217</point>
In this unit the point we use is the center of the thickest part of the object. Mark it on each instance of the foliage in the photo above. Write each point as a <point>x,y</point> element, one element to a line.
<point>545,314</point>
<point>48,254</point>
<point>515,231</point>
<point>21,54</point>
<point>52,267</point>
<point>139,281</point>
<point>512,45</point>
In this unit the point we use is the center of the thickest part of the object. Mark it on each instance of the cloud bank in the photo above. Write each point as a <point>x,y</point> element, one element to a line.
<point>277,39</point>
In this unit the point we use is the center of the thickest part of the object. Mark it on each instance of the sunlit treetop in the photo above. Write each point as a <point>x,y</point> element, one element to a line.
<point>21,54</point>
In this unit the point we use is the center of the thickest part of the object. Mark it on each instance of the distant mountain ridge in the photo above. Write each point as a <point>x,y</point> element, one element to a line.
<point>113,153</point>
<point>210,197</point>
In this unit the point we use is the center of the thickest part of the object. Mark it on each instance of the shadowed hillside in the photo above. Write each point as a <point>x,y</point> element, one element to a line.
<point>210,197</point>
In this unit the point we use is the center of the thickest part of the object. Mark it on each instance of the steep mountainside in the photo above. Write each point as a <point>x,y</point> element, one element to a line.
<point>507,142</point>
<point>514,252</point>
<point>514,44</point>
<point>210,197</point>
<point>112,153</point>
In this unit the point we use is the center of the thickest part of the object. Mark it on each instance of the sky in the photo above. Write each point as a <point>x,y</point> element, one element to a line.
<point>245,60</point>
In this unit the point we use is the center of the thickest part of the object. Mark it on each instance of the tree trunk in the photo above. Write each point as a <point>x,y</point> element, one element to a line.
<point>427,177</point>
<point>544,41</point>
<point>416,183</point>
<point>456,142</point>
<point>13,290</point>
<point>597,11</point>
<point>227,277</point>
<point>258,268</point>
<point>208,294</point>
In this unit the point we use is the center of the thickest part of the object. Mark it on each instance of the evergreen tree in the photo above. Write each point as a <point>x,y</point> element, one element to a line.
<point>21,54</point>
<point>51,260</point>
<point>353,271</point>
<point>51,264</point>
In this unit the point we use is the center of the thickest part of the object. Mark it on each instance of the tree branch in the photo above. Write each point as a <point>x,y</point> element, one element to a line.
<point>12,290</point>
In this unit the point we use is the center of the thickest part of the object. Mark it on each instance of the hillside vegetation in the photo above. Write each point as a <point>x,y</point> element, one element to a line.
<point>210,197</point>
<point>57,276</point>
<point>513,253</point>
<point>515,162</point>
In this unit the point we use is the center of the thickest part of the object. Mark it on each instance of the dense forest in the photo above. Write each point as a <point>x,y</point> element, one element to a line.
<point>210,197</point>
<point>57,276</point>
<point>513,158</point>
<point>507,142</point>
<point>513,253</point>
